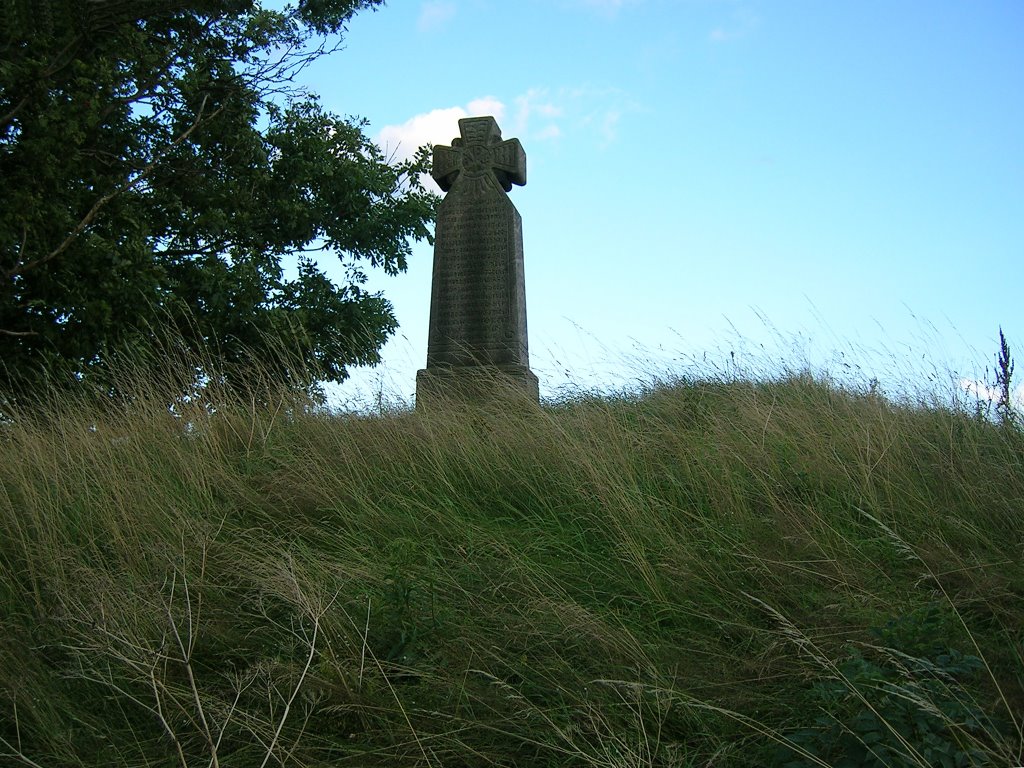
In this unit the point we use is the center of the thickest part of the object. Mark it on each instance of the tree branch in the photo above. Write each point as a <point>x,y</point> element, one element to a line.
<point>10,115</point>
<point>99,204</point>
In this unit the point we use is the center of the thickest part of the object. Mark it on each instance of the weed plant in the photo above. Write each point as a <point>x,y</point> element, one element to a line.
<point>714,572</point>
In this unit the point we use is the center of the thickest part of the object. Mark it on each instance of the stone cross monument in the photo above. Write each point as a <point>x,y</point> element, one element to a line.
<point>477,337</point>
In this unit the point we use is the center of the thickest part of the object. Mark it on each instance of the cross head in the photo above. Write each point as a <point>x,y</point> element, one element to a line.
<point>480,152</point>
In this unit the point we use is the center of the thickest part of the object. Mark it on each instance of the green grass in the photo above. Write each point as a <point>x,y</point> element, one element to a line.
<point>699,575</point>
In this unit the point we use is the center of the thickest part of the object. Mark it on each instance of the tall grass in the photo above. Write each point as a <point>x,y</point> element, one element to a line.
<point>714,572</point>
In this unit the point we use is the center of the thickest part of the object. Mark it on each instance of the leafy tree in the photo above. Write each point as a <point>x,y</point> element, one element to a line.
<point>161,168</point>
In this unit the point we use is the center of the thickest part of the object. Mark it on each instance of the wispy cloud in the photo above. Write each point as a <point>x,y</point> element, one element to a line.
<point>543,114</point>
<point>434,14</point>
<point>538,115</point>
<point>601,114</point>
<point>548,132</point>
<point>610,127</point>
<point>607,7</point>
<point>535,103</point>
<point>603,124</point>
<point>742,23</point>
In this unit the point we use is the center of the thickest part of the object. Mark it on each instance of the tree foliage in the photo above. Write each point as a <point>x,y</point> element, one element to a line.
<point>161,169</point>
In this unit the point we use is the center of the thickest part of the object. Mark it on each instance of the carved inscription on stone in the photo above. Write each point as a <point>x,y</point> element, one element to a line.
<point>476,311</point>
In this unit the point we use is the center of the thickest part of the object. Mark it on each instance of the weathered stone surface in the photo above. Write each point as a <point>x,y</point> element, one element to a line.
<point>478,297</point>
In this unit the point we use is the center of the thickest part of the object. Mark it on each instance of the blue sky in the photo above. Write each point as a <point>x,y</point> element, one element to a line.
<point>825,181</point>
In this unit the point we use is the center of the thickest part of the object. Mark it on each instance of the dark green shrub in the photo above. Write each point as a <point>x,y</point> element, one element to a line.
<point>902,702</point>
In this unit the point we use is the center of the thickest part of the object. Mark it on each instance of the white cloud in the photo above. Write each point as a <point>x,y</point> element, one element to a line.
<point>538,115</point>
<point>978,389</point>
<point>435,14</point>
<point>983,391</point>
<point>435,127</point>
<point>439,126</point>
<point>488,105</point>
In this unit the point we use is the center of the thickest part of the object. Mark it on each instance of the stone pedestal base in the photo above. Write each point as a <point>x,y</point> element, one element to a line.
<point>476,384</point>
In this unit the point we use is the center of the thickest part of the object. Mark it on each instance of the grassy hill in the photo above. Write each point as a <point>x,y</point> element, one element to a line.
<point>713,573</point>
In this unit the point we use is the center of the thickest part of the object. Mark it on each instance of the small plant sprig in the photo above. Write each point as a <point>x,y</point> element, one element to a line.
<point>1004,377</point>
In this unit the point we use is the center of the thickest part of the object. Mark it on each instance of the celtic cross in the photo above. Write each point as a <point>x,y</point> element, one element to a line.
<point>480,155</point>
